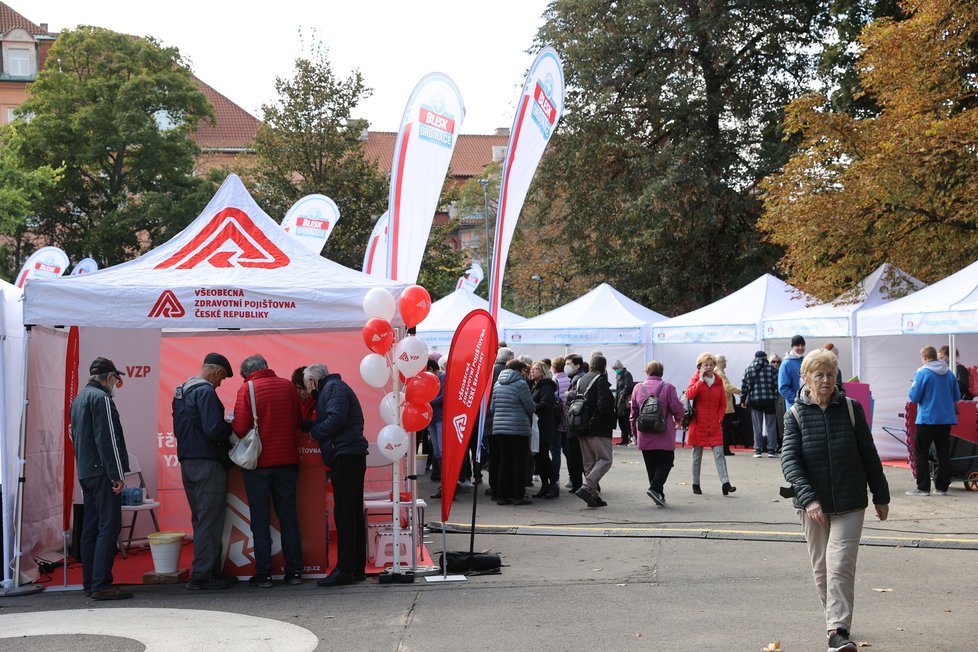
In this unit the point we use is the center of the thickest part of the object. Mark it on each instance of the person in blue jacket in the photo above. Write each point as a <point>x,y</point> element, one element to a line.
<point>789,375</point>
<point>935,391</point>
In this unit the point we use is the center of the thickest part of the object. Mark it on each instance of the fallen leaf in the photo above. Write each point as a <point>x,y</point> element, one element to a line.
<point>863,644</point>
<point>948,611</point>
<point>621,585</point>
<point>773,647</point>
<point>596,570</point>
<point>883,590</point>
<point>900,629</point>
<point>638,634</point>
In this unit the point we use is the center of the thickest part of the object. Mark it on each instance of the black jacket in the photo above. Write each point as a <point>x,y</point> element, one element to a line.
<point>624,385</point>
<point>96,433</point>
<point>830,461</point>
<point>544,394</point>
<point>600,403</point>
<point>339,420</point>
<point>198,423</point>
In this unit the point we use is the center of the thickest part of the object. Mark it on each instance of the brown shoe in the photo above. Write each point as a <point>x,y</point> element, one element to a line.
<point>111,593</point>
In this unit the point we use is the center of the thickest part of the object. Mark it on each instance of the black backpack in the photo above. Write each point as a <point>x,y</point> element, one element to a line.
<point>578,414</point>
<point>651,418</point>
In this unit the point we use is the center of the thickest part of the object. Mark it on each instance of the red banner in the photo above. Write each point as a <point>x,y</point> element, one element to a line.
<point>71,391</point>
<point>466,377</point>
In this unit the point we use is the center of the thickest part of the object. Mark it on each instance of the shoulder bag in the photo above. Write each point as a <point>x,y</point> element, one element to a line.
<point>246,451</point>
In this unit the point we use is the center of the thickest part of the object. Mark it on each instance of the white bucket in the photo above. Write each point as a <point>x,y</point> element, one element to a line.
<point>165,547</point>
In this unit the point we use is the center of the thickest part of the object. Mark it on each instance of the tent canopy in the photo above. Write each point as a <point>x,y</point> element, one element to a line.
<point>835,319</point>
<point>946,307</point>
<point>734,318</point>
<point>602,316</point>
<point>232,267</point>
<point>438,328</point>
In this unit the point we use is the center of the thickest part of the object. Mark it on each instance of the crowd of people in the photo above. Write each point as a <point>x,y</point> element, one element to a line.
<point>540,413</point>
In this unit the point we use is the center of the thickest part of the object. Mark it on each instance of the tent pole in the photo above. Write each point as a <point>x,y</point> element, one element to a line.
<point>21,463</point>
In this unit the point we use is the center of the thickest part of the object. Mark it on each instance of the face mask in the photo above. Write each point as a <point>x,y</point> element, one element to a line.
<point>568,369</point>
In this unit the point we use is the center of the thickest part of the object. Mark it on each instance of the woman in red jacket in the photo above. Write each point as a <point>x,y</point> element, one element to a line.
<point>706,392</point>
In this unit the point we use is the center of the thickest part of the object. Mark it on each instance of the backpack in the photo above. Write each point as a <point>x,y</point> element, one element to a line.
<point>578,414</point>
<point>973,380</point>
<point>651,418</point>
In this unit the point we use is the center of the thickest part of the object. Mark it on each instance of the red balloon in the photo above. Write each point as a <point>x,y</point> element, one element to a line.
<point>414,304</point>
<point>415,417</point>
<point>378,335</point>
<point>422,388</point>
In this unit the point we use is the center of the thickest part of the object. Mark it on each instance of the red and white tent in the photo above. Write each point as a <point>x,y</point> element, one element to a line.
<point>232,267</point>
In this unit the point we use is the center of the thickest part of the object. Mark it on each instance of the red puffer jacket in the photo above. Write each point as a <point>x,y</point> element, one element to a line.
<point>710,402</point>
<point>278,417</point>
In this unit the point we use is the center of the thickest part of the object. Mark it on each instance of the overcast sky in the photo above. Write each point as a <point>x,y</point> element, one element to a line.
<point>240,48</point>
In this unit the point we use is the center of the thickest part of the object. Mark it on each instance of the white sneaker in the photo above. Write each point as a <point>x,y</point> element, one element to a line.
<point>918,492</point>
<point>757,456</point>
<point>938,492</point>
<point>772,455</point>
<point>466,484</point>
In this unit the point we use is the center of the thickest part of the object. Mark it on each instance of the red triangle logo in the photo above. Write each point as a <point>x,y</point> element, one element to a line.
<point>167,306</point>
<point>230,239</point>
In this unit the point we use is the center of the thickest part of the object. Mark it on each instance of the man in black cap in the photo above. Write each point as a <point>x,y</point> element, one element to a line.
<point>102,461</point>
<point>203,442</point>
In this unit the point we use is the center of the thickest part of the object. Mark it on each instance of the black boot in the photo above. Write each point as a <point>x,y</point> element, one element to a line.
<point>728,489</point>
<point>696,489</point>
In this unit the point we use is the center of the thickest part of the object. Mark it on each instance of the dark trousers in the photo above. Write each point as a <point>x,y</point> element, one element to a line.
<point>512,461</point>
<point>575,462</point>
<point>939,435</point>
<point>205,482</point>
<point>556,446</point>
<point>542,464</point>
<point>625,426</point>
<point>658,464</point>
<point>100,532</point>
<point>267,486</point>
<point>729,431</point>
<point>347,477</point>
<point>492,463</point>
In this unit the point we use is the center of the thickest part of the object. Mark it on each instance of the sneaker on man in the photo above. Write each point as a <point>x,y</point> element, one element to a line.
<point>209,584</point>
<point>262,581</point>
<point>839,642</point>
<point>657,497</point>
<point>757,456</point>
<point>772,455</point>
<point>111,593</point>
<point>292,578</point>
<point>586,495</point>
<point>938,492</point>
<point>918,492</point>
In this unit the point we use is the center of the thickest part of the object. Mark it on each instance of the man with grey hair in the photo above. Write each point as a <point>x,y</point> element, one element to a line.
<point>339,431</point>
<point>102,462</point>
<point>202,448</point>
<point>274,480</point>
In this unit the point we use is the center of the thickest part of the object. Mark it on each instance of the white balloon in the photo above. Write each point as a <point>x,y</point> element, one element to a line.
<point>374,370</point>
<point>378,302</point>
<point>390,407</point>
<point>410,355</point>
<point>392,442</point>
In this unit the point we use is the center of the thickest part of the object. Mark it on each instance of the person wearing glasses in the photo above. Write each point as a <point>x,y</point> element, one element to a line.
<point>102,462</point>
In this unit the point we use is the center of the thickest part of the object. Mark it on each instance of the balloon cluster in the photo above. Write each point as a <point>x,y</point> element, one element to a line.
<point>408,410</point>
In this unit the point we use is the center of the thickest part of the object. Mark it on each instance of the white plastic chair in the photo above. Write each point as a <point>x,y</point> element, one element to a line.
<point>148,505</point>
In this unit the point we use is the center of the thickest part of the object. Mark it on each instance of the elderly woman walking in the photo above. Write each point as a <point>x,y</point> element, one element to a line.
<point>705,429</point>
<point>829,458</point>
<point>658,446</point>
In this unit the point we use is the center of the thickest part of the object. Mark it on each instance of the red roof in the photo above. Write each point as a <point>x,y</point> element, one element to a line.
<point>472,152</point>
<point>235,128</point>
<point>10,19</point>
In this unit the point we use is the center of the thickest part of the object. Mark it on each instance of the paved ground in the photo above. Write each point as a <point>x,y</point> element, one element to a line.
<point>704,573</point>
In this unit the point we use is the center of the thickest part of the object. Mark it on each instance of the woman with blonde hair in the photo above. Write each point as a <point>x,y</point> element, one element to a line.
<point>829,458</point>
<point>706,391</point>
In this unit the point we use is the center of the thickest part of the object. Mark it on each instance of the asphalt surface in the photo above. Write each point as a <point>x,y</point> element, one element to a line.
<point>704,573</point>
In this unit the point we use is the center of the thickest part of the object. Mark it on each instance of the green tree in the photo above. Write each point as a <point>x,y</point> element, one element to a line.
<point>21,190</point>
<point>896,187</point>
<point>673,117</point>
<point>118,113</point>
<point>310,143</point>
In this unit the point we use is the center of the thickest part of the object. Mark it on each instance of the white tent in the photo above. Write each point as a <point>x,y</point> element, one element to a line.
<point>835,319</point>
<point>892,335</point>
<point>438,328</point>
<point>11,402</point>
<point>603,319</point>
<point>231,268</point>
<point>730,326</point>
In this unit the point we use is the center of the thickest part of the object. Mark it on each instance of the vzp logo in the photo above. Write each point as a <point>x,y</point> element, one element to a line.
<point>230,239</point>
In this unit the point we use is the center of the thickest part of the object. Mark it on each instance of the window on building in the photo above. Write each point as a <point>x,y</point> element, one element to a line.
<point>19,62</point>
<point>498,153</point>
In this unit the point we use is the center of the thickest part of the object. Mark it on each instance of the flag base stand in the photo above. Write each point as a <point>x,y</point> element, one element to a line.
<point>390,577</point>
<point>23,589</point>
<point>446,578</point>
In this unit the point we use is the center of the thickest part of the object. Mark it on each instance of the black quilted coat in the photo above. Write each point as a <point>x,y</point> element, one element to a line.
<point>828,460</point>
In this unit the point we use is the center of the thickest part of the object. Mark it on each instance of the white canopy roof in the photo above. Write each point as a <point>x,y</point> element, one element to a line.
<point>602,316</point>
<point>948,306</point>
<point>232,267</point>
<point>835,319</point>
<point>438,328</point>
<point>734,318</point>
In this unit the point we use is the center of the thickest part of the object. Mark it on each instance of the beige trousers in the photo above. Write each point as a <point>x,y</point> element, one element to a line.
<point>833,548</point>
<point>597,457</point>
